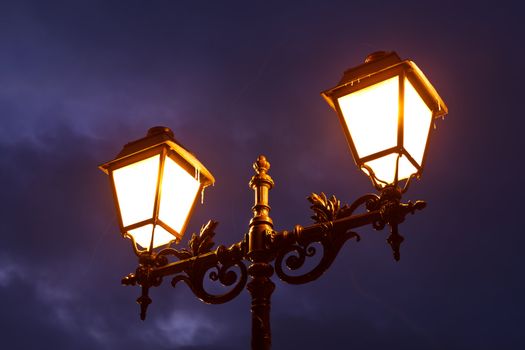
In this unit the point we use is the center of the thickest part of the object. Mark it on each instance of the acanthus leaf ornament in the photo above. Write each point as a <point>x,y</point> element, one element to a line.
<point>199,244</point>
<point>325,209</point>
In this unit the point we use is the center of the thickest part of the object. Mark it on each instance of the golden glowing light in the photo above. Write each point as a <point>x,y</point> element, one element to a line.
<point>417,118</point>
<point>155,183</point>
<point>136,186</point>
<point>371,116</point>
<point>384,168</point>
<point>142,236</point>
<point>178,193</point>
<point>386,106</point>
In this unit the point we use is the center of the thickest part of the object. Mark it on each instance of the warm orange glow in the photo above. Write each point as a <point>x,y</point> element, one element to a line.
<point>386,106</point>
<point>417,123</point>
<point>384,168</point>
<point>136,186</point>
<point>371,116</point>
<point>156,182</point>
<point>142,236</point>
<point>179,191</point>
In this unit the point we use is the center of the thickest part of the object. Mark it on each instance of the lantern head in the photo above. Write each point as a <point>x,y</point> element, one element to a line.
<point>155,183</point>
<point>386,107</point>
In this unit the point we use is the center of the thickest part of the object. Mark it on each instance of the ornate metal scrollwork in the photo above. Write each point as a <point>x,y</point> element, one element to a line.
<point>221,262</point>
<point>225,259</point>
<point>194,261</point>
<point>294,256</point>
<point>295,247</point>
<point>326,211</point>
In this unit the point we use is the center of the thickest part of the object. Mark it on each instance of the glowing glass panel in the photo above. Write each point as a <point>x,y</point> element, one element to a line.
<point>417,123</point>
<point>136,186</point>
<point>371,116</point>
<point>179,191</point>
<point>384,168</point>
<point>142,236</point>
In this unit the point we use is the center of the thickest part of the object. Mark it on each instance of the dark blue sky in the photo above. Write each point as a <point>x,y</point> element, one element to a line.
<point>78,79</point>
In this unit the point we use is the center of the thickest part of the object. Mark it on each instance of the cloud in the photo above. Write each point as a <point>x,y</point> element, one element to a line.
<point>8,272</point>
<point>184,328</point>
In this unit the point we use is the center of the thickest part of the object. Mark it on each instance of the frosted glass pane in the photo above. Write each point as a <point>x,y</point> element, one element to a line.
<point>142,236</point>
<point>384,168</point>
<point>371,116</point>
<point>179,191</point>
<point>417,123</point>
<point>136,185</point>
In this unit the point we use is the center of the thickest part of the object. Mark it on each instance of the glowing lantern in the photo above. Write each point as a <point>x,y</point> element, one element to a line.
<point>386,107</point>
<point>155,184</point>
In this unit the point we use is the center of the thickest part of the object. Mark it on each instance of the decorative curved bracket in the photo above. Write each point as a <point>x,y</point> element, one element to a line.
<point>221,263</point>
<point>299,247</point>
<point>294,255</point>
<point>332,229</point>
<point>192,265</point>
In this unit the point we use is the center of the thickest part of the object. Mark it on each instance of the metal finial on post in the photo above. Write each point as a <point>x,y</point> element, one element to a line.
<point>261,183</point>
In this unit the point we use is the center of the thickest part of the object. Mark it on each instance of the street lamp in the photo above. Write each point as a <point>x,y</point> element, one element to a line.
<point>385,106</point>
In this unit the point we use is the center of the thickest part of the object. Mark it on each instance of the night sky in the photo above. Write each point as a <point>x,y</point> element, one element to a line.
<point>78,79</point>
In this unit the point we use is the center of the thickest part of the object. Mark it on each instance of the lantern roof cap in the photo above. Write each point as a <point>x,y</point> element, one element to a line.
<point>382,62</point>
<point>156,136</point>
<point>374,62</point>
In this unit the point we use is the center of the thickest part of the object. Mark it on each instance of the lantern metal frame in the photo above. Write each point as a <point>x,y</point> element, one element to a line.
<point>263,251</point>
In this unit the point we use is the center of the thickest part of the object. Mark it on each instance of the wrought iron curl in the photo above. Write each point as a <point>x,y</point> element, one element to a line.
<point>222,263</point>
<point>295,262</point>
<point>378,183</point>
<point>371,202</point>
<point>134,245</point>
<point>222,271</point>
<point>297,247</point>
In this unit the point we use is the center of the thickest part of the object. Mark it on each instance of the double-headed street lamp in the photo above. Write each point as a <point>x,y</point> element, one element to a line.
<point>386,107</point>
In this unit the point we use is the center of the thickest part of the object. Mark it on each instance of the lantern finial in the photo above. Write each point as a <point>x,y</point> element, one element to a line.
<point>160,130</point>
<point>374,56</point>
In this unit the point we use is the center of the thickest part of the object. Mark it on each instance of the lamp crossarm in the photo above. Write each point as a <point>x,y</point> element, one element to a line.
<point>333,228</point>
<point>288,250</point>
<point>266,251</point>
